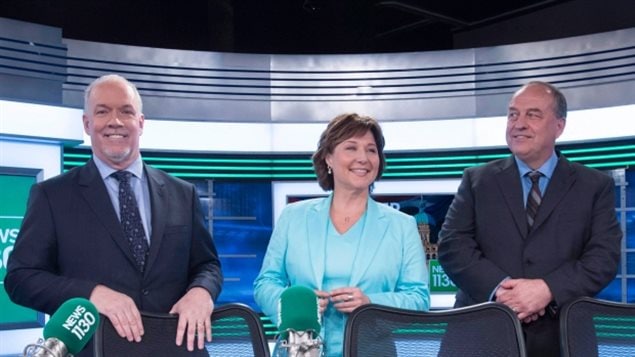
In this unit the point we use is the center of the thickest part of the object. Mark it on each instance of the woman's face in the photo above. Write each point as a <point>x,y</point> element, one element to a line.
<point>354,162</point>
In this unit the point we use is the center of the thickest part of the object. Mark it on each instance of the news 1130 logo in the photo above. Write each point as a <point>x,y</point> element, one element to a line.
<point>439,280</point>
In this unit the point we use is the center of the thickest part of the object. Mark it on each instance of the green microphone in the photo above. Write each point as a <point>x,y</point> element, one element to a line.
<point>299,321</point>
<point>68,330</point>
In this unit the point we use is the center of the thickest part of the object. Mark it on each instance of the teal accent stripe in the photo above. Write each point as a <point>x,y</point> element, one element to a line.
<point>400,165</point>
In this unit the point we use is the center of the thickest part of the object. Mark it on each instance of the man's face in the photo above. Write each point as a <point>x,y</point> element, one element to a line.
<point>532,125</point>
<point>114,123</point>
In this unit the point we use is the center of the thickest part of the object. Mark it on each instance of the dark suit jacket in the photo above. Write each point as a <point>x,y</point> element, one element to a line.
<point>574,245</point>
<point>71,240</point>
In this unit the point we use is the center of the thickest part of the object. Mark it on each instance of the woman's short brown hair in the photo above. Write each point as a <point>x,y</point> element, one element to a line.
<point>339,129</point>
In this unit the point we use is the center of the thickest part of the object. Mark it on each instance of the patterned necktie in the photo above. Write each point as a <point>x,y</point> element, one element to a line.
<point>131,219</point>
<point>533,198</point>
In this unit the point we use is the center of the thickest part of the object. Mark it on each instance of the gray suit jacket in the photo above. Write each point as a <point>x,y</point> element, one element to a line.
<point>574,244</point>
<point>71,240</point>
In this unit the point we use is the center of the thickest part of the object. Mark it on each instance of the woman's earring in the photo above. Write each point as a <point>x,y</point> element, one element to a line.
<point>328,170</point>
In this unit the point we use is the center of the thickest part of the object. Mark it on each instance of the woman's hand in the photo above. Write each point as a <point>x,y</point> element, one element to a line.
<point>323,300</point>
<point>348,299</point>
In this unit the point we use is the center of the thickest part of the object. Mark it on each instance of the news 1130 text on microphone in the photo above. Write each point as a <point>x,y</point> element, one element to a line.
<point>68,330</point>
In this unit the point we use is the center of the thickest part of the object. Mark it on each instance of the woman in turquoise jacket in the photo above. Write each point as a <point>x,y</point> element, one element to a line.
<point>348,248</point>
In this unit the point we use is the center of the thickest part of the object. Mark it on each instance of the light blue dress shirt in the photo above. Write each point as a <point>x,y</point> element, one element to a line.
<point>546,170</point>
<point>139,183</point>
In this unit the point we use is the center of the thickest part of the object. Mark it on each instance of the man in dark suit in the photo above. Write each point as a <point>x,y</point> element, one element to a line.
<point>565,245</point>
<point>72,244</point>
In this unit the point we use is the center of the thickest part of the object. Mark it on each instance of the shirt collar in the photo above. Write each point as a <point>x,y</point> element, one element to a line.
<point>136,168</point>
<point>546,169</point>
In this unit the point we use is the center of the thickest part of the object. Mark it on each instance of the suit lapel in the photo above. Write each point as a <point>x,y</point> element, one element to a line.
<point>159,209</point>
<point>508,180</point>
<point>559,185</point>
<point>316,231</point>
<point>93,190</point>
<point>372,235</point>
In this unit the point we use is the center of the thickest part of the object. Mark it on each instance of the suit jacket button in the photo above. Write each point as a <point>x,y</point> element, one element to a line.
<point>145,292</point>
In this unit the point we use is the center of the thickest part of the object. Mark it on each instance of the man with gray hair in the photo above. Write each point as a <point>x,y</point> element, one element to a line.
<point>534,230</point>
<point>116,231</point>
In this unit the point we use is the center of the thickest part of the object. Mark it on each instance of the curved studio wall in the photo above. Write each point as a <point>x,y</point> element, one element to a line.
<point>447,107</point>
<point>269,105</point>
<point>268,97</point>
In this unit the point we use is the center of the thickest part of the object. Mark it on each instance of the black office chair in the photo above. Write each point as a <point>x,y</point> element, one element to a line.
<point>487,329</point>
<point>594,327</point>
<point>236,332</point>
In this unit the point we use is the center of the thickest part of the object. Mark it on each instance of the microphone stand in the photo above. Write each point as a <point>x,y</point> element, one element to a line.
<point>301,344</point>
<point>51,347</point>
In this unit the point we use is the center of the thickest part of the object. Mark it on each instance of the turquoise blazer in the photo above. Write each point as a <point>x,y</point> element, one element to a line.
<point>390,266</point>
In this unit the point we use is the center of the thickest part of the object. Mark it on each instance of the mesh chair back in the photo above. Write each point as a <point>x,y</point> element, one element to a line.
<point>488,329</point>
<point>158,339</point>
<point>236,332</point>
<point>593,327</point>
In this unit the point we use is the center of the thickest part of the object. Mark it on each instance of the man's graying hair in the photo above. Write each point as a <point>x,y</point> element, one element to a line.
<point>560,102</point>
<point>112,78</point>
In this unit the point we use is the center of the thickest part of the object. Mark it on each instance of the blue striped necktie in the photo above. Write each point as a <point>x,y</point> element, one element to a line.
<point>533,198</point>
<point>131,219</point>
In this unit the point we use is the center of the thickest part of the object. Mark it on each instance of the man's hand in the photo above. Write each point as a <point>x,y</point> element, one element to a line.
<point>528,298</point>
<point>120,310</point>
<point>534,317</point>
<point>195,312</point>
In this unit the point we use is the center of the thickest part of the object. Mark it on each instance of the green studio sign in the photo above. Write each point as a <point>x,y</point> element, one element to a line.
<point>439,281</point>
<point>14,192</point>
